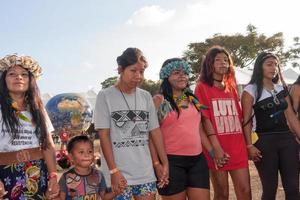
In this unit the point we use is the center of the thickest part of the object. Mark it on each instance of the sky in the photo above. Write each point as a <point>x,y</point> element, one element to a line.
<point>77,41</point>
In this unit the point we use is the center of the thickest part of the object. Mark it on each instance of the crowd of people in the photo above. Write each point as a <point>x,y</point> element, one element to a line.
<point>174,143</point>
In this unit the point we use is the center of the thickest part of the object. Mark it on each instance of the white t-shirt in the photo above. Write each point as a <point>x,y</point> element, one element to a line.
<point>252,90</point>
<point>26,137</point>
<point>129,132</point>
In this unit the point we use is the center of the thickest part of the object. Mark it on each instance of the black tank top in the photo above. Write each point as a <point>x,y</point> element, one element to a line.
<point>270,115</point>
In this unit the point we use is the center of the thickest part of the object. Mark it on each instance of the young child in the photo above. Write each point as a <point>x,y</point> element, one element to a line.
<point>83,181</point>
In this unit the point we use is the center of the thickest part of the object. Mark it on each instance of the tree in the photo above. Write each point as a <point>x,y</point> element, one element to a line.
<point>244,48</point>
<point>149,85</point>
<point>109,82</point>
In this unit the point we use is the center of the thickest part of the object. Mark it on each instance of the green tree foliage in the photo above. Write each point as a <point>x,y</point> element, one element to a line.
<point>244,48</point>
<point>109,82</point>
<point>149,85</point>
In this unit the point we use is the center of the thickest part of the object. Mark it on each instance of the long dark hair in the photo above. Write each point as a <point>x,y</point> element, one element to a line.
<point>166,88</point>
<point>32,97</point>
<point>257,75</point>
<point>207,69</point>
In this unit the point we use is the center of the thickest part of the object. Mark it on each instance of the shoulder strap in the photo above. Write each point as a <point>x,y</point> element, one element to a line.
<point>249,120</point>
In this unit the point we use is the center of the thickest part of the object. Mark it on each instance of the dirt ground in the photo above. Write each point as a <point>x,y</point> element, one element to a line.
<point>255,182</point>
<point>255,186</point>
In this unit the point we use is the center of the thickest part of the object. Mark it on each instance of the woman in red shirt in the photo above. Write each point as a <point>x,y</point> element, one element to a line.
<point>222,121</point>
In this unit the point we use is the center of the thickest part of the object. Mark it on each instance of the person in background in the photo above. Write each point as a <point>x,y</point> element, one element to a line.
<point>27,154</point>
<point>216,89</point>
<point>126,119</point>
<point>180,122</point>
<point>276,149</point>
<point>83,181</point>
<point>295,95</point>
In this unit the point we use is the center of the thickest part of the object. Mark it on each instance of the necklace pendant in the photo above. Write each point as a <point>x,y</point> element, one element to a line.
<point>276,100</point>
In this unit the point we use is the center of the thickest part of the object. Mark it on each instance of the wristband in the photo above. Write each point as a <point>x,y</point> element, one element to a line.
<point>113,171</point>
<point>211,134</point>
<point>52,175</point>
<point>212,153</point>
<point>156,163</point>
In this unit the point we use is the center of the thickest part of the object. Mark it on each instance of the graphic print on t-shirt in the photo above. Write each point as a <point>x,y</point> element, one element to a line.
<point>133,125</point>
<point>226,116</point>
<point>85,187</point>
<point>24,137</point>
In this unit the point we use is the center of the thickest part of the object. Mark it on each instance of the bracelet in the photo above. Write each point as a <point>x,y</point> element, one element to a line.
<point>113,171</point>
<point>52,175</point>
<point>212,153</point>
<point>249,146</point>
<point>156,163</point>
<point>211,134</point>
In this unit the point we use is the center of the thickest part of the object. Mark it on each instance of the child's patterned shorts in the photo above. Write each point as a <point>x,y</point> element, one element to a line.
<point>146,189</point>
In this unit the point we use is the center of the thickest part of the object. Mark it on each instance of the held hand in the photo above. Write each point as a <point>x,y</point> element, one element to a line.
<point>2,190</point>
<point>162,173</point>
<point>253,153</point>
<point>118,182</point>
<point>221,158</point>
<point>53,189</point>
<point>158,99</point>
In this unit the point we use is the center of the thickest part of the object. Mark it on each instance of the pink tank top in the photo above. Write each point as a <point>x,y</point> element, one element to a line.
<point>181,135</point>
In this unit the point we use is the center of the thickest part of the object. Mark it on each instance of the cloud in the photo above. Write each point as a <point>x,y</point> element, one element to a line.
<point>87,66</point>
<point>150,16</point>
<point>164,32</point>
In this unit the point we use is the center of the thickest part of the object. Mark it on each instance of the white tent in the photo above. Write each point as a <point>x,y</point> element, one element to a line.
<point>290,75</point>
<point>243,75</point>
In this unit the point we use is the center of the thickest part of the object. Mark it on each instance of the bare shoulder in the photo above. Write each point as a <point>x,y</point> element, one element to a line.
<point>295,89</point>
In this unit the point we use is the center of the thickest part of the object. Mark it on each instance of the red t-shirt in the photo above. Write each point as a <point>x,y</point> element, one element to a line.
<point>225,114</point>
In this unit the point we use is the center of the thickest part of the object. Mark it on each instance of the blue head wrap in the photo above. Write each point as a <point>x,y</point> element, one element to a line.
<point>166,71</point>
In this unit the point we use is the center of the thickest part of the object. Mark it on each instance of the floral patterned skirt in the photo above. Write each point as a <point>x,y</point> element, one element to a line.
<point>25,181</point>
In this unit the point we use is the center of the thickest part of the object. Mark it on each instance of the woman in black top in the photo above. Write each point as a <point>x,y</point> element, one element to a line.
<point>276,149</point>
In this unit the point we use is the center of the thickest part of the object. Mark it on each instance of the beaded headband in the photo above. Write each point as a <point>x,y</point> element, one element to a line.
<point>166,71</point>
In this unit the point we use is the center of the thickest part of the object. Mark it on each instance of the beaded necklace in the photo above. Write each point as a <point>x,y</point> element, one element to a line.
<point>183,98</point>
<point>180,101</point>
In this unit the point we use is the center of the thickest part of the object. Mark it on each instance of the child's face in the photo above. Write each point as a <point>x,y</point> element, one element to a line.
<point>82,154</point>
